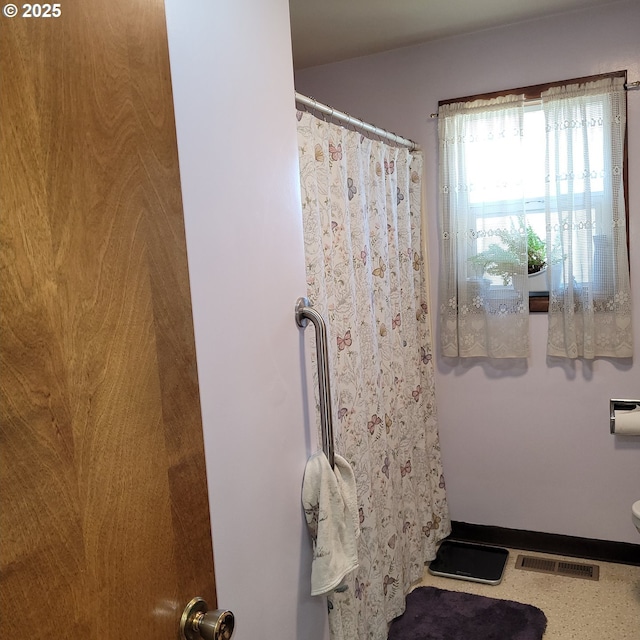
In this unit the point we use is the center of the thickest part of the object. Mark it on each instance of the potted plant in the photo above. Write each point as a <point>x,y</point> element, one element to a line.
<point>504,259</point>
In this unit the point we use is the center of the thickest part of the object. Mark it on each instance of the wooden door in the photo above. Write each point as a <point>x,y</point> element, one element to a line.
<point>104,509</point>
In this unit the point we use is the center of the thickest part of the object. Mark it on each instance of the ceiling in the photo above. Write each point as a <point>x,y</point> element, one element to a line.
<point>325,31</point>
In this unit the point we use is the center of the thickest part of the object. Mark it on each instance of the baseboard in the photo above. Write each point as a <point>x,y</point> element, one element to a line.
<point>603,550</point>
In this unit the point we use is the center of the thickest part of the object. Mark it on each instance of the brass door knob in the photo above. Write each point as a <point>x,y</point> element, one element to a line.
<point>198,622</point>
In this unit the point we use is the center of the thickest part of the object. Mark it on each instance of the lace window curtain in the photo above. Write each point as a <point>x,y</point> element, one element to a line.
<point>484,300</point>
<point>590,299</point>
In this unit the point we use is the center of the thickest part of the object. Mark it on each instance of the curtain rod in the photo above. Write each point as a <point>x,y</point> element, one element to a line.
<point>628,86</point>
<point>346,119</point>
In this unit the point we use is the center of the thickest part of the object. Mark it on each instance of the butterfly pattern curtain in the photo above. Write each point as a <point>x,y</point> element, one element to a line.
<point>366,275</point>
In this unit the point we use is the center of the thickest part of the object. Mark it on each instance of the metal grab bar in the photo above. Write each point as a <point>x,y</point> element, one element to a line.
<point>304,313</point>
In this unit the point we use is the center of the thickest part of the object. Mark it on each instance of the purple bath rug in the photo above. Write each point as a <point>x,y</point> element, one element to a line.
<point>436,614</point>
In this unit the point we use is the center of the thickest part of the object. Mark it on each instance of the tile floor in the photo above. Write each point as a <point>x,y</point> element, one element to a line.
<point>576,609</point>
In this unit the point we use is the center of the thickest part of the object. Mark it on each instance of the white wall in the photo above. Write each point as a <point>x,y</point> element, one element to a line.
<point>233,93</point>
<point>523,447</point>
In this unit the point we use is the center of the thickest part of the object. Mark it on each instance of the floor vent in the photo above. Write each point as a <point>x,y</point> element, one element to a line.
<point>559,567</point>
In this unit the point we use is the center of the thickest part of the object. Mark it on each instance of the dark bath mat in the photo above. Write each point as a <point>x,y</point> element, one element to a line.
<point>436,614</point>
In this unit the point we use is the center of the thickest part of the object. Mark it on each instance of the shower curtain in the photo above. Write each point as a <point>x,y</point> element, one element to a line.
<point>366,274</point>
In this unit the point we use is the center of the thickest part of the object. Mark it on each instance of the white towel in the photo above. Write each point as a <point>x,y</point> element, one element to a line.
<point>330,507</point>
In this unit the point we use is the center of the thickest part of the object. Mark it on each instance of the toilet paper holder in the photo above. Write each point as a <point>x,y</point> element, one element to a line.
<point>620,405</point>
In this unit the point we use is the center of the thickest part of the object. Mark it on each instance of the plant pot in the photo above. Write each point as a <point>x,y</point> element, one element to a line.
<point>538,281</point>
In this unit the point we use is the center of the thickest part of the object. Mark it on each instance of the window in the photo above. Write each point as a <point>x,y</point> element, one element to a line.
<point>533,214</point>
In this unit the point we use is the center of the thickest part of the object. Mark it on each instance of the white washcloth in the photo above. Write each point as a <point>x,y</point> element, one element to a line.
<point>330,507</point>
